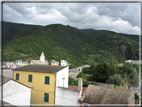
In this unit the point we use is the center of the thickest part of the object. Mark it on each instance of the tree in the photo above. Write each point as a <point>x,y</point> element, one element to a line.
<point>103,71</point>
<point>115,79</point>
<point>131,74</point>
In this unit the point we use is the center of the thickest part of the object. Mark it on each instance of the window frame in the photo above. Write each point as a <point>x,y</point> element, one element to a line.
<point>47,82</point>
<point>46,97</point>
<point>30,78</point>
<point>17,76</point>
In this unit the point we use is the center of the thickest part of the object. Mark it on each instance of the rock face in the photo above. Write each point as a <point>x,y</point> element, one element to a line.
<point>125,50</point>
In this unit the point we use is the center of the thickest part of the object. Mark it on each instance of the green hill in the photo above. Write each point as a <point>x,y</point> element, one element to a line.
<point>125,44</point>
<point>14,30</point>
<point>57,42</point>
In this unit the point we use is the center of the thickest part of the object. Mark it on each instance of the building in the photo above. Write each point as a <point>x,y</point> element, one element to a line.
<point>64,63</point>
<point>18,62</point>
<point>134,61</point>
<point>54,63</point>
<point>24,63</point>
<point>15,93</point>
<point>95,94</point>
<point>42,60</point>
<point>45,79</point>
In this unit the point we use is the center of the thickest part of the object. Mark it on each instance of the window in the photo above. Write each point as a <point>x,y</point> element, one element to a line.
<point>30,78</point>
<point>46,97</point>
<point>17,76</point>
<point>47,79</point>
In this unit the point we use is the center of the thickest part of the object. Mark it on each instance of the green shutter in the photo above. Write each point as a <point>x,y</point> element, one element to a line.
<point>17,76</point>
<point>47,79</point>
<point>46,97</point>
<point>30,78</point>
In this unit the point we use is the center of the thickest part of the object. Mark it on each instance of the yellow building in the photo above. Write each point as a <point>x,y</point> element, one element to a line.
<point>43,80</point>
<point>23,63</point>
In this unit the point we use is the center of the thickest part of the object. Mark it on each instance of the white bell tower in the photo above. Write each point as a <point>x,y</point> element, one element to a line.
<point>42,57</point>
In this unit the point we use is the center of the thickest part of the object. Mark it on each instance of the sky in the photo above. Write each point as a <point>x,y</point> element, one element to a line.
<point>118,17</point>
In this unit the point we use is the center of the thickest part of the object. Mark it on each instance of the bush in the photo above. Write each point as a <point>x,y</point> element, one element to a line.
<point>85,84</point>
<point>115,79</point>
<point>115,85</point>
<point>82,75</point>
<point>90,78</point>
<point>72,81</point>
<point>136,96</point>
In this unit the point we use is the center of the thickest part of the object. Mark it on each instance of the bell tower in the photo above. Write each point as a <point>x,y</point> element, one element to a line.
<point>42,57</point>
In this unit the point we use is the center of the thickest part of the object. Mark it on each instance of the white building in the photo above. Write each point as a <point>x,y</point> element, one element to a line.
<point>64,63</point>
<point>67,96</point>
<point>41,61</point>
<point>16,93</point>
<point>18,62</point>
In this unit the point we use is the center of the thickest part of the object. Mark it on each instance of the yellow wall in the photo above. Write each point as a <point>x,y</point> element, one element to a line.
<point>23,63</point>
<point>39,86</point>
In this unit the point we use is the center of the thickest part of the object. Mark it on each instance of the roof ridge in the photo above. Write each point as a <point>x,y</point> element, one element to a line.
<point>113,87</point>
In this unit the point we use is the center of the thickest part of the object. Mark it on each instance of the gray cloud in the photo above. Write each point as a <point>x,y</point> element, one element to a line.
<point>120,17</point>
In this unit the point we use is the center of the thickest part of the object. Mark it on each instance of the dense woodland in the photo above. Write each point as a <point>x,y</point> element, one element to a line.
<point>58,42</point>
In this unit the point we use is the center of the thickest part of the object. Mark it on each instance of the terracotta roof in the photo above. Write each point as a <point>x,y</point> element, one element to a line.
<point>76,88</point>
<point>41,68</point>
<point>42,54</point>
<point>95,94</point>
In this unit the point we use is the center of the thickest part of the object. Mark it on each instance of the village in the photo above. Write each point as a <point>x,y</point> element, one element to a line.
<point>41,82</point>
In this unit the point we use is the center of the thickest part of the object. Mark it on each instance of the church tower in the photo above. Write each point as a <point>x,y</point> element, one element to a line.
<point>42,57</point>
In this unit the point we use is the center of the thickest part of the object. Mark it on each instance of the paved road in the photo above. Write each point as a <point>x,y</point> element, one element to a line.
<point>7,72</point>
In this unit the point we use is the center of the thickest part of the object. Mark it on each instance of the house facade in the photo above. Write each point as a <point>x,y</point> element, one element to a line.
<point>44,79</point>
<point>24,63</point>
<point>54,63</point>
<point>64,63</point>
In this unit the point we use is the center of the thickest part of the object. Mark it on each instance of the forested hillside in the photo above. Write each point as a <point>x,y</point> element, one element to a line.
<point>58,42</point>
<point>125,44</point>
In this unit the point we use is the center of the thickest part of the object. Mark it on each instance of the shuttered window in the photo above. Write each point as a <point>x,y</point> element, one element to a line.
<point>30,78</point>
<point>47,80</point>
<point>17,76</point>
<point>46,97</point>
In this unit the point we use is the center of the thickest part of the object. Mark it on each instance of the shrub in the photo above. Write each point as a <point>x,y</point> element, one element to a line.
<point>115,85</point>
<point>72,81</point>
<point>136,96</point>
<point>82,75</point>
<point>115,79</point>
<point>85,84</point>
<point>90,78</point>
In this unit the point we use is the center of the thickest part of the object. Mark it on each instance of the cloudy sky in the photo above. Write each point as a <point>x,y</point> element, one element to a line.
<point>119,17</point>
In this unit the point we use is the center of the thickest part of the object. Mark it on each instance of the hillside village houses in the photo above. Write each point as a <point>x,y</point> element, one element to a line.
<point>54,63</point>
<point>49,85</point>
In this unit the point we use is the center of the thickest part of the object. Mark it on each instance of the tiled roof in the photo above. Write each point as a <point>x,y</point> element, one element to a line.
<point>4,79</point>
<point>95,94</point>
<point>76,88</point>
<point>41,68</point>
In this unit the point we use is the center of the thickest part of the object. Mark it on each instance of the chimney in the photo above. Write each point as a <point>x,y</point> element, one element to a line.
<point>129,102</point>
<point>80,84</point>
